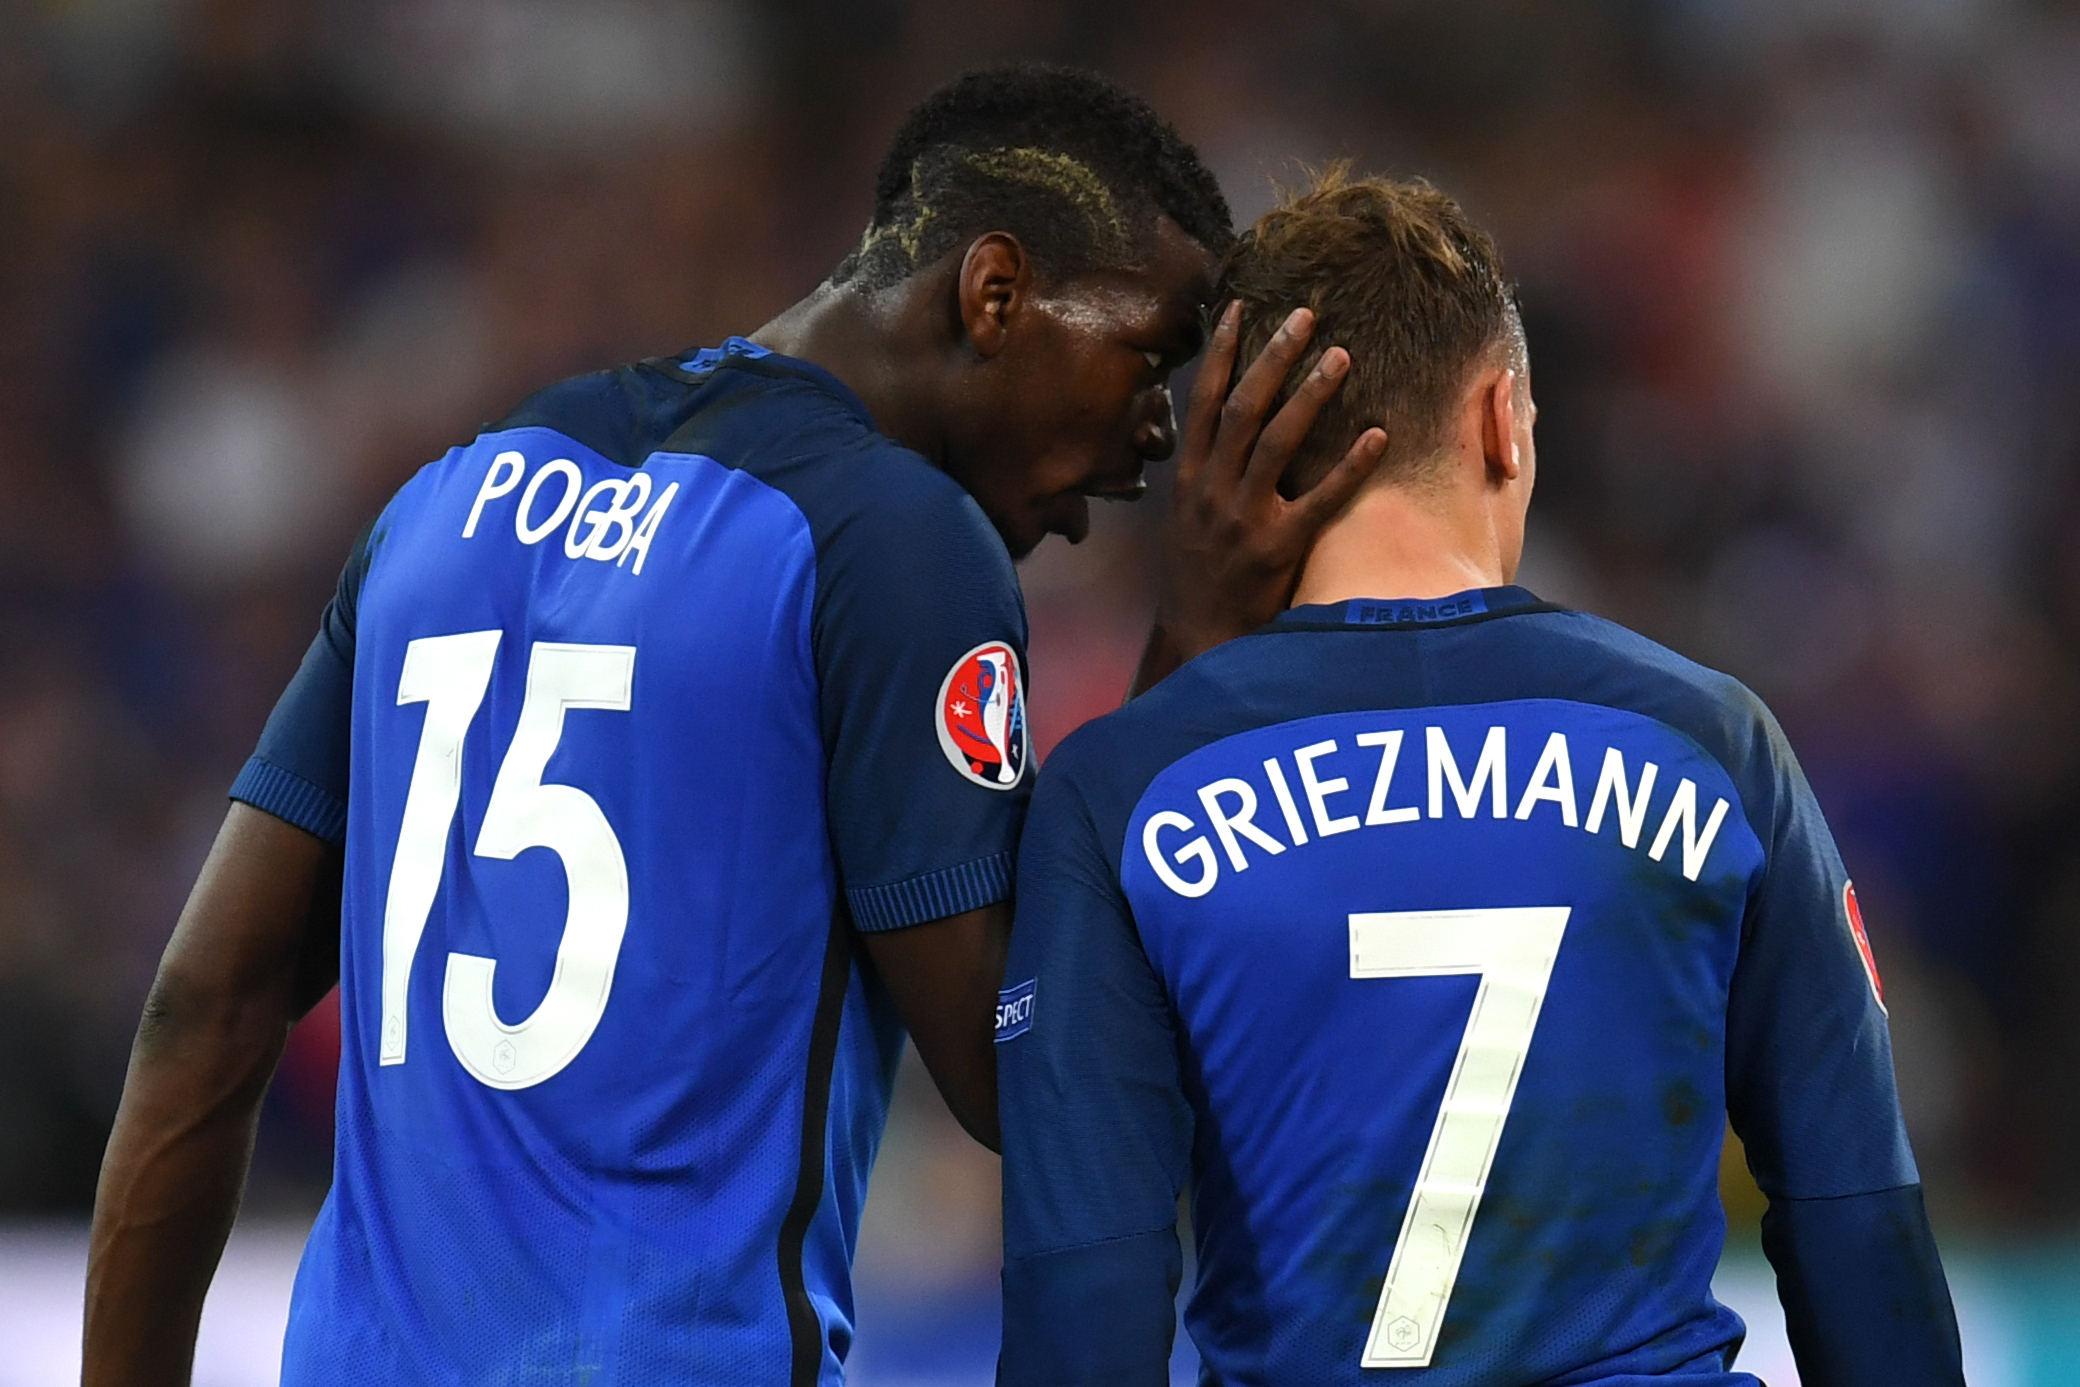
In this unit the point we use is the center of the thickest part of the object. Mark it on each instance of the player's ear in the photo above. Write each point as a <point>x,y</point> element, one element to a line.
<point>1497,397</point>
<point>995,277</point>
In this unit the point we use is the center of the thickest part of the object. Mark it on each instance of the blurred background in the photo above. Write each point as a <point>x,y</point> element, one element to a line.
<point>1802,280</point>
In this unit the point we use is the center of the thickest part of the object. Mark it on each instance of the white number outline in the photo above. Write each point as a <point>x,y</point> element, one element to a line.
<point>1512,949</point>
<point>450,675</point>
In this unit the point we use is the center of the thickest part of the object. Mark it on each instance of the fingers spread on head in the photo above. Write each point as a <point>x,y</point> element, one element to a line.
<point>1211,386</point>
<point>1260,382</point>
<point>1320,503</point>
<point>1253,395</point>
<point>1287,431</point>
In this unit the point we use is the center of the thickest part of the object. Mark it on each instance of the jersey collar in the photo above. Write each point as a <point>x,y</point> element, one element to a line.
<point>746,354</point>
<point>1474,604</point>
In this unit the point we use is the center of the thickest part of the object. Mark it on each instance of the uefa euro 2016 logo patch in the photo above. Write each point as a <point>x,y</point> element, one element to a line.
<point>1854,910</point>
<point>981,716</point>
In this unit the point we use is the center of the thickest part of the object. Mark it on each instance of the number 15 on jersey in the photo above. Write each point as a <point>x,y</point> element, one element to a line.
<point>450,674</point>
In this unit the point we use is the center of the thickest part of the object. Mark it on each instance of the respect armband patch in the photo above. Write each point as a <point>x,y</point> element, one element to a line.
<point>1015,1010</point>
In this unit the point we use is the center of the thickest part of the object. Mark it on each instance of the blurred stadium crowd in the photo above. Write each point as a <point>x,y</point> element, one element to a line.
<point>1803,291</point>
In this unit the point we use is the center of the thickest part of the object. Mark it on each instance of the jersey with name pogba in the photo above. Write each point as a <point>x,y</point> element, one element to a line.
<point>628,713</point>
<point>1431,945</point>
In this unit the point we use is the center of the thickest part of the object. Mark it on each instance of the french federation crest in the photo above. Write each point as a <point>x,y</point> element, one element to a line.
<point>1854,911</point>
<point>981,717</point>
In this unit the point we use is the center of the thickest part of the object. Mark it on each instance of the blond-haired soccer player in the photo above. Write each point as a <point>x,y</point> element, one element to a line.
<point>1429,935</point>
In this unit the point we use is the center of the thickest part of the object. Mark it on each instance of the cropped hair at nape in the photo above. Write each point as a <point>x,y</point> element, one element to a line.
<point>1072,165</point>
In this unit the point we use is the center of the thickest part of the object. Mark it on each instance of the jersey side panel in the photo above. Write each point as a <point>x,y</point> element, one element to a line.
<point>913,590</point>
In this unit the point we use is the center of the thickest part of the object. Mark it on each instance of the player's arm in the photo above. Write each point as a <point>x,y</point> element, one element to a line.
<point>1097,1131</point>
<point>943,977</point>
<point>1811,1094</point>
<point>919,628</point>
<point>1232,545</point>
<point>256,947</point>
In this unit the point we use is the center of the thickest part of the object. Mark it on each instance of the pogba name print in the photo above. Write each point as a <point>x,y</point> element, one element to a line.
<point>608,521</point>
<point>981,716</point>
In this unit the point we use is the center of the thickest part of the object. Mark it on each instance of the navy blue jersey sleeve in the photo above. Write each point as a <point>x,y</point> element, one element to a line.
<point>1865,1299</point>
<point>298,772</point>
<point>1810,1092</point>
<point>1097,1129</point>
<point>920,638</point>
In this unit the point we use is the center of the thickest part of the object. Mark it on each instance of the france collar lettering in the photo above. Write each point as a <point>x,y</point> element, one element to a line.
<point>1366,611</point>
<point>1397,613</point>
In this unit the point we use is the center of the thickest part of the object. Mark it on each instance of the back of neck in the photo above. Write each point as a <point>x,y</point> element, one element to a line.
<point>865,344</point>
<point>1396,541</point>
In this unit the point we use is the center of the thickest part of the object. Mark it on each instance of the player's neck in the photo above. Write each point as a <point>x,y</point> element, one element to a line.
<point>866,341</point>
<point>1397,541</point>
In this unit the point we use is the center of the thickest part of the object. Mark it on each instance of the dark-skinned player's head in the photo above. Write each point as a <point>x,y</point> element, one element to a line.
<point>1399,277</point>
<point>1079,236</point>
<point>1078,169</point>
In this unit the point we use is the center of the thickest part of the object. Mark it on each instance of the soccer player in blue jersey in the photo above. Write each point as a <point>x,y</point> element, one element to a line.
<point>659,761</point>
<point>1428,936</point>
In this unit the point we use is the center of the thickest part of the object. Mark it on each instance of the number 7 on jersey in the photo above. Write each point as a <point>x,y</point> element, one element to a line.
<point>1513,951</point>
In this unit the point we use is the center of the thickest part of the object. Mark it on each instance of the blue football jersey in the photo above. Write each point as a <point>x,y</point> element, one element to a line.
<point>1430,946</point>
<point>629,712</point>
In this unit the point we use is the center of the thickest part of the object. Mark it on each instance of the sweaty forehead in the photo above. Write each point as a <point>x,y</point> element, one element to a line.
<point>1179,268</point>
<point>1169,290</point>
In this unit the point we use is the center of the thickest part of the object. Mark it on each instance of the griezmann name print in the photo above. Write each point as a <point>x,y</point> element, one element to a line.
<point>1389,773</point>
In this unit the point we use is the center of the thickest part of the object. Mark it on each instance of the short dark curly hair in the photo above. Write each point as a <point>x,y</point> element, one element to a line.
<point>1072,165</point>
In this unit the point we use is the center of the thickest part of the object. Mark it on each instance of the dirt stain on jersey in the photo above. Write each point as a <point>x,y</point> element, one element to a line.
<point>1681,1103</point>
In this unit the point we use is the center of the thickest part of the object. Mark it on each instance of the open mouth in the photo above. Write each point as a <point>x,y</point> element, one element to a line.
<point>1128,487</point>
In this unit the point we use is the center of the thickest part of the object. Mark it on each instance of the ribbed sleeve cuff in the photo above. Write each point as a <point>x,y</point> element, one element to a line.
<point>933,896</point>
<point>292,799</point>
